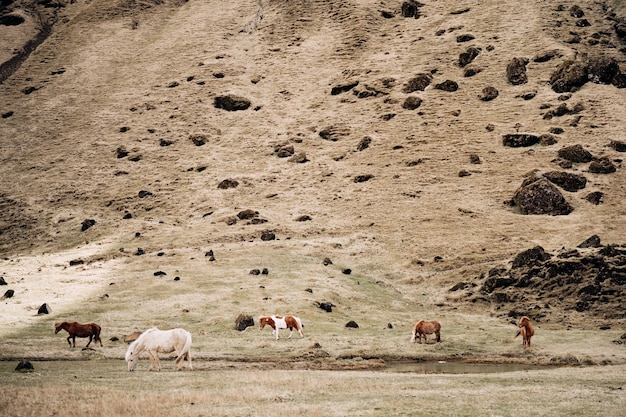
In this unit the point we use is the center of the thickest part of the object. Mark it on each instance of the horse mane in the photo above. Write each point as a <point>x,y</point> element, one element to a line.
<point>136,347</point>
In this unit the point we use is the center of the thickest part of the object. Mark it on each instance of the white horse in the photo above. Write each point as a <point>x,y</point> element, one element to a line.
<point>280,322</point>
<point>165,341</point>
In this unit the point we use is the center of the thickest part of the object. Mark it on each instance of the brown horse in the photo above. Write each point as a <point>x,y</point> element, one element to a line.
<point>91,330</point>
<point>424,328</point>
<point>527,331</point>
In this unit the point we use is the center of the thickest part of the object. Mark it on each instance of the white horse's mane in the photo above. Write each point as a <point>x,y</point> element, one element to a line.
<point>138,343</point>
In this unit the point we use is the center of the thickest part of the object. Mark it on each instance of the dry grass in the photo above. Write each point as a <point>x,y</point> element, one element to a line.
<point>105,388</point>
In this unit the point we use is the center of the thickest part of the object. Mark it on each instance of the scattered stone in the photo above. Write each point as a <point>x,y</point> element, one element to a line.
<point>465,38</point>
<point>25,366</point>
<point>489,93</point>
<point>121,152</point>
<point>299,158</point>
<point>569,77</point>
<point>199,139</point>
<point>418,83</point>
<point>232,103</point>
<point>591,242</point>
<point>363,178</point>
<point>411,8</point>
<point>228,183</point>
<point>602,166</point>
<point>267,235</point>
<point>144,194</point>
<point>541,197</point>
<point>255,272</point>
<point>346,271</point>
<point>304,218</point>
<point>534,256</point>
<point>327,262</point>
<point>575,153</point>
<point>517,140</point>
<point>602,69</point>
<point>265,271</point>
<point>86,224</point>
<point>364,144</point>
<point>140,252</point>
<point>327,307</point>
<point>159,273</point>
<point>44,309</point>
<point>247,214</point>
<point>8,294</point>
<point>335,132</point>
<point>284,151</point>
<point>516,71</point>
<point>547,140</point>
<point>566,180</point>
<point>412,103</point>
<point>595,197</point>
<point>468,56</point>
<point>618,146</point>
<point>243,321</point>
<point>448,85</point>
<point>3,281</point>
<point>352,324</point>
<point>7,114</point>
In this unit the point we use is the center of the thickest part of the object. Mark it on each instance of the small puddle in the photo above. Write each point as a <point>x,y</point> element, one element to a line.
<point>444,367</point>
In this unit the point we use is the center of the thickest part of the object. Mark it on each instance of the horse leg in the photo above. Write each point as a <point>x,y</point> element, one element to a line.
<point>276,332</point>
<point>158,362</point>
<point>290,333</point>
<point>437,333</point>
<point>69,341</point>
<point>189,361</point>
<point>88,343</point>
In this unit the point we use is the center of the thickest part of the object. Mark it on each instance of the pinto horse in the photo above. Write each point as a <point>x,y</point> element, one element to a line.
<point>90,330</point>
<point>154,341</point>
<point>424,328</point>
<point>280,322</point>
<point>527,331</point>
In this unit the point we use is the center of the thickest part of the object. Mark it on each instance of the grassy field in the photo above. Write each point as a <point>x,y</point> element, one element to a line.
<point>104,388</point>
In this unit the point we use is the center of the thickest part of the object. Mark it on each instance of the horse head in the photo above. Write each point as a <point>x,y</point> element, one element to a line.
<point>58,327</point>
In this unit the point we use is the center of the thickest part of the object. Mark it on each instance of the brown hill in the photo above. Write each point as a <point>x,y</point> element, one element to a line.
<point>391,135</point>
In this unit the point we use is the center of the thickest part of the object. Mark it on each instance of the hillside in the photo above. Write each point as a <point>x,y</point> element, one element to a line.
<point>139,136</point>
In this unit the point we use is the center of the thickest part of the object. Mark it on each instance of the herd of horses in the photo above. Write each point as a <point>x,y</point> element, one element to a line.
<point>155,341</point>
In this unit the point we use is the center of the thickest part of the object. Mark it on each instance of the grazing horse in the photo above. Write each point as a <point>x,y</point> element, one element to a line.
<point>91,330</point>
<point>165,341</point>
<point>424,328</point>
<point>527,331</point>
<point>280,322</point>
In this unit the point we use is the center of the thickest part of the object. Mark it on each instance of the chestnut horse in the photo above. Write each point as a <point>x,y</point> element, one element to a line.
<point>154,341</point>
<point>527,331</point>
<point>90,330</point>
<point>280,322</point>
<point>424,328</point>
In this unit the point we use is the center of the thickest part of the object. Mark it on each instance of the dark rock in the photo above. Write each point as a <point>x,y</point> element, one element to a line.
<point>418,83</point>
<point>412,103</point>
<point>284,151</point>
<point>25,366</point>
<point>140,252</point>
<point>247,214</point>
<point>448,85</point>
<point>121,152</point>
<point>265,271</point>
<point>7,114</point>
<point>489,93</point>
<point>228,183</point>
<point>546,56</point>
<point>516,71</point>
<point>44,309</point>
<point>86,224</point>
<point>144,194</point>
<point>232,103</point>
<point>602,70</point>
<point>576,11</point>
<point>346,271</point>
<point>468,56</point>
<point>8,294</point>
<point>334,133</point>
<point>304,218</point>
<point>591,242</point>
<point>566,180</point>
<point>474,159</point>
<point>364,144</point>
<point>459,286</point>
<point>411,8</point>
<point>363,178</point>
<point>533,256</point>
<point>493,283</point>
<point>617,145</point>
<point>568,77</point>
<point>575,153</point>
<point>547,140</point>
<point>541,197</point>
<point>602,166</point>
<point>327,262</point>
<point>465,38</point>
<point>3,281</point>
<point>342,88</point>
<point>198,139</point>
<point>464,173</point>
<point>255,272</point>
<point>267,236</point>
<point>299,158</point>
<point>327,307</point>
<point>243,321</point>
<point>352,324</point>
<point>75,262</point>
<point>159,273</point>
<point>595,197</point>
<point>470,72</point>
<point>517,140</point>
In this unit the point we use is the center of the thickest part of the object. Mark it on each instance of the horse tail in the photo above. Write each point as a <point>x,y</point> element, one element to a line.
<point>186,348</point>
<point>299,324</point>
<point>414,333</point>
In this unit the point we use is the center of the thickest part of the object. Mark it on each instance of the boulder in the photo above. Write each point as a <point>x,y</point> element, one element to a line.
<point>602,166</point>
<point>231,102</point>
<point>566,180</point>
<point>569,77</point>
<point>541,197</point>
<point>575,153</point>
<point>516,71</point>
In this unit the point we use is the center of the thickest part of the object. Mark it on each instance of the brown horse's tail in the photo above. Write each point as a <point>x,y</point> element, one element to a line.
<point>96,333</point>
